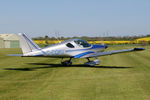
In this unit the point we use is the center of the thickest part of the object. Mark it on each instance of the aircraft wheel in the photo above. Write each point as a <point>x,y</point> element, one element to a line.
<point>91,63</point>
<point>66,63</point>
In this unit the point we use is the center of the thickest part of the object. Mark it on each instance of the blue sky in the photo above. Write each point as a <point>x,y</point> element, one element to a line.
<point>75,17</point>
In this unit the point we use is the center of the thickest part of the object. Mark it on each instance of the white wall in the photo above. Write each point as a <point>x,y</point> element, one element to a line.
<point>6,44</point>
<point>1,43</point>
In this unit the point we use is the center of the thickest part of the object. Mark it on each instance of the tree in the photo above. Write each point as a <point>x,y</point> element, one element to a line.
<point>46,39</point>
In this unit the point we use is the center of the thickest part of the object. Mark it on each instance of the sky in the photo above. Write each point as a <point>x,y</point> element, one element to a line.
<point>75,17</point>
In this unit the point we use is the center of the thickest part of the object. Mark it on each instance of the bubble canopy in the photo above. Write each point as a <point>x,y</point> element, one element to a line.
<point>82,42</point>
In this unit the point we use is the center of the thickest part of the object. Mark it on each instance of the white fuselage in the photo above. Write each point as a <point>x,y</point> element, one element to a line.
<point>62,50</point>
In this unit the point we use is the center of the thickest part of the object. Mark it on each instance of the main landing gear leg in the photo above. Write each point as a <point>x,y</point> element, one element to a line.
<point>67,62</point>
<point>88,59</point>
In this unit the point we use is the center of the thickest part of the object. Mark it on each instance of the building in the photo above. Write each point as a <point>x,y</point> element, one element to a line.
<point>9,41</point>
<point>1,43</point>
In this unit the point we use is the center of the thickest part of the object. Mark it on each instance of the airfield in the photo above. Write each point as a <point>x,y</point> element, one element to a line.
<point>118,77</point>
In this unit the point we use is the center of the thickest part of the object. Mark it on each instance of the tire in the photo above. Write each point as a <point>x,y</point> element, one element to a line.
<point>66,63</point>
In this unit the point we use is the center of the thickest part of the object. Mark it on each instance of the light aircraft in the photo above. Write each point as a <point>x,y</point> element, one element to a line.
<point>72,48</point>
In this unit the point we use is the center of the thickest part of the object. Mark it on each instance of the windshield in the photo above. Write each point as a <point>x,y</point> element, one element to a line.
<point>82,43</point>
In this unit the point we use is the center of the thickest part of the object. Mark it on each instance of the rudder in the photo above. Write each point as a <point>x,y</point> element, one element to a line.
<point>27,45</point>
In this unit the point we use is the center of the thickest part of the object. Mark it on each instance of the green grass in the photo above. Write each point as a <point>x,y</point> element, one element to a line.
<point>119,77</point>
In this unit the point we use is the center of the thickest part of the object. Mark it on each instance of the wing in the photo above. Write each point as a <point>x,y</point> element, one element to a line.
<point>111,52</point>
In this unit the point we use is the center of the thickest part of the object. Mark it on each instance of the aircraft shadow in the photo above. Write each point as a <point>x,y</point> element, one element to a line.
<point>47,65</point>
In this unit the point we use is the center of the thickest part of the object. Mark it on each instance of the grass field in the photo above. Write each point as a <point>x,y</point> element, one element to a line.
<point>119,77</point>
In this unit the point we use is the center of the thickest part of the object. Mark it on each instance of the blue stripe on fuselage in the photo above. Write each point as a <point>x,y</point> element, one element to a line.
<point>82,54</point>
<point>98,46</point>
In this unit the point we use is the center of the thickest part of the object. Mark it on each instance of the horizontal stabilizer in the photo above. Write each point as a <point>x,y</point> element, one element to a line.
<point>15,54</point>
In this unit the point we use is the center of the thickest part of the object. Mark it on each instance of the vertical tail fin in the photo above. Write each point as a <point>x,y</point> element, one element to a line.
<point>27,45</point>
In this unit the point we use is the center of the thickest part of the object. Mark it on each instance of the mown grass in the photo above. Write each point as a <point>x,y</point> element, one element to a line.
<point>119,77</point>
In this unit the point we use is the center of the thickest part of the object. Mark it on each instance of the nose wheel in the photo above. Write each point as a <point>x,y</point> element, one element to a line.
<point>92,63</point>
<point>67,62</point>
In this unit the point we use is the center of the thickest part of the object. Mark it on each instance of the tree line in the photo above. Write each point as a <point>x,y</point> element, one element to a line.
<point>109,38</point>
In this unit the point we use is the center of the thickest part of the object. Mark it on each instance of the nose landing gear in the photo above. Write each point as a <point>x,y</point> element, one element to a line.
<point>92,63</point>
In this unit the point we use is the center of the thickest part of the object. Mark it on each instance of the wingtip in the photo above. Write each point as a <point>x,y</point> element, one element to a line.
<point>139,49</point>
